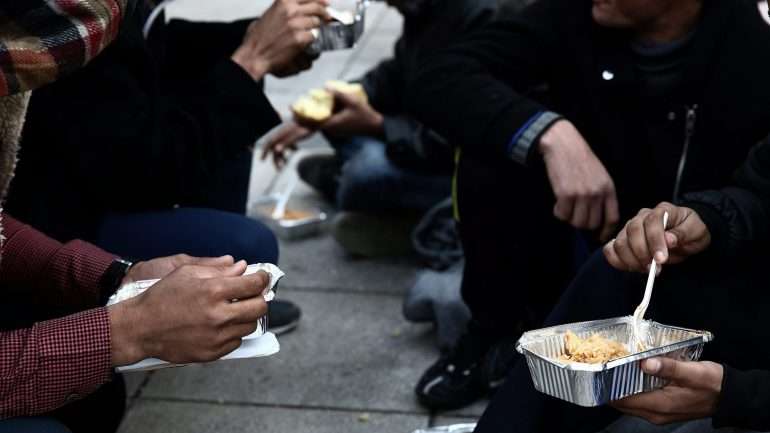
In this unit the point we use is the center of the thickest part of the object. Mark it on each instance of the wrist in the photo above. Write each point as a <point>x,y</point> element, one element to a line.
<point>377,124</point>
<point>126,335</point>
<point>549,141</point>
<point>255,65</point>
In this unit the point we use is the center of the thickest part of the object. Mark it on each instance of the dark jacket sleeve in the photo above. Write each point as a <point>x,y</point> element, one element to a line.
<point>472,92</point>
<point>155,140</point>
<point>409,140</point>
<point>744,401</point>
<point>738,216</point>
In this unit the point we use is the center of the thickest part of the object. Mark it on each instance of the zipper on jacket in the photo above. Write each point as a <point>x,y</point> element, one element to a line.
<point>689,130</point>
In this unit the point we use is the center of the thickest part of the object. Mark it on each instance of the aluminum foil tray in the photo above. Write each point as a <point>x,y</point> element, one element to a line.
<point>597,384</point>
<point>454,428</point>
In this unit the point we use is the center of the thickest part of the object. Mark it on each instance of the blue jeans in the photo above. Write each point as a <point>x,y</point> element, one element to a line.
<point>194,231</point>
<point>32,425</point>
<point>371,182</point>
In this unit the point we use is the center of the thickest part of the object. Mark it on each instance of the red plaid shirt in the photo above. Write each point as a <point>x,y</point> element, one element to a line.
<point>53,362</point>
<point>41,40</point>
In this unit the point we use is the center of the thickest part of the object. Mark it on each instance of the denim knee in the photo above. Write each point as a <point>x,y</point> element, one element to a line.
<point>254,242</point>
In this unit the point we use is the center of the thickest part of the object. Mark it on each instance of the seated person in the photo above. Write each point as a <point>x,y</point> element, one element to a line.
<point>714,258</point>
<point>146,151</point>
<point>46,364</point>
<point>571,116</point>
<point>388,168</point>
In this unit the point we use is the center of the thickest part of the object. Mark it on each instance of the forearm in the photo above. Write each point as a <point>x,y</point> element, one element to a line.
<point>737,215</point>
<point>744,400</point>
<point>47,271</point>
<point>53,363</point>
<point>479,83</point>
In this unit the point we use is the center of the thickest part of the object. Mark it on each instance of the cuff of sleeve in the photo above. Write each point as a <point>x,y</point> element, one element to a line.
<point>741,404</point>
<point>80,264</point>
<point>74,357</point>
<point>241,94</point>
<point>521,145</point>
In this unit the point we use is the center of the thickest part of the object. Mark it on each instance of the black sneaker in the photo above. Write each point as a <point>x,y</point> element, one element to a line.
<point>322,172</point>
<point>498,362</point>
<point>455,380</point>
<point>282,316</point>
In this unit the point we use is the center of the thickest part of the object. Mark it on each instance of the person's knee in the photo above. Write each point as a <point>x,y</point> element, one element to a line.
<point>255,243</point>
<point>364,177</point>
<point>32,425</point>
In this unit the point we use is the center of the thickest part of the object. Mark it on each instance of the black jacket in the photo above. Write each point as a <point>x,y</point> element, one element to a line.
<point>478,94</point>
<point>141,127</point>
<point>738,218</point>
<point>437,24</point>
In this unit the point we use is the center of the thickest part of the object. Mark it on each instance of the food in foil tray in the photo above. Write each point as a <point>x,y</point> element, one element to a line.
<point>289,214</point>
<point>592,350</point>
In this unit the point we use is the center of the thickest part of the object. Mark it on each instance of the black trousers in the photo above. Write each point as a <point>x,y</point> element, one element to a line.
<point>730,300</point>
<point>519,257</point>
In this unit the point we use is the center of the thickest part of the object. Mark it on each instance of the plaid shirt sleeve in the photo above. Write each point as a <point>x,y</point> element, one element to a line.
<point>58,361</point>
<point>40,40</point>
<point>54,273</point>
<point>53,363</point>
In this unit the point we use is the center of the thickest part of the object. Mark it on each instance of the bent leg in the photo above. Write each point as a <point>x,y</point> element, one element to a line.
<point>369,181</point>
<point>519,258</point>
<point>193,231</point>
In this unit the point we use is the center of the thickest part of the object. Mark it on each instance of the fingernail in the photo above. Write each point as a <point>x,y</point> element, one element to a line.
<point>651,366</point>
<point>660,256</point>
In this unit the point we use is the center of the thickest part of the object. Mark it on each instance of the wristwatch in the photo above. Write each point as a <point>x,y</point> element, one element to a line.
<point>109,283</point>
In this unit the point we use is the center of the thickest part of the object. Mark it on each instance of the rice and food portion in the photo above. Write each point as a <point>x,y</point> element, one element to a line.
<point>592,350</point>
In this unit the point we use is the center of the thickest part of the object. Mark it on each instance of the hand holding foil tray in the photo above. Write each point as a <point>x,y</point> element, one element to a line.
<point>597,384</point>
<point>258,344</point>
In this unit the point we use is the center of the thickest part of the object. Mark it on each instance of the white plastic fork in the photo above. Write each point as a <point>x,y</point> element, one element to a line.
<point>641,310</point>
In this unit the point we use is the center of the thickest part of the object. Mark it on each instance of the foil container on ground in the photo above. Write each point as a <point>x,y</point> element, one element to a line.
<point>454,428</point>
<point>289,229</point>
<point>598,384</point>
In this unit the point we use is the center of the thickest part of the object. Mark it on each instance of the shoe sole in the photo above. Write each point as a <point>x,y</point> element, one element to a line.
<point>284,329</point>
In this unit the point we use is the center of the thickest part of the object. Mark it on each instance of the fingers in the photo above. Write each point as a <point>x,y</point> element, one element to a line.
<point>685,373</point>
<point>611,216</point>
<point>596,210</point>
<point>335,124</point>
<point>628,261</point>
<point>305,22</point>
<point>243,286</point>
<point>655,233</point>
<point>637,239</point>
<point>207,272</point>
<point>564,208</point>
<point>315,9</point>
<point>580,213</point>
<point>248,310</point>
<point>221,262</point>
<point>652,406</point>
<point>344,100</point>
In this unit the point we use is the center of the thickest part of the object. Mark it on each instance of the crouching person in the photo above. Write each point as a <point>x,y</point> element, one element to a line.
<point>713,259</point>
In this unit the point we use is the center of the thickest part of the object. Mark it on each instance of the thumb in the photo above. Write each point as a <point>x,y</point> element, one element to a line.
<point>223,261</point>
<point>667,368</point>
<point>344,100</point>
<point>234,270</point>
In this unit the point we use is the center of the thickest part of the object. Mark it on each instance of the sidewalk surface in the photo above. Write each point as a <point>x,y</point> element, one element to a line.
<point>352,363</point>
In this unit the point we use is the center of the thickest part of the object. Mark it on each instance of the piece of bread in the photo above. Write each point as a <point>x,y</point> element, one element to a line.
<point>354,89</point>
<point>318,105</point>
